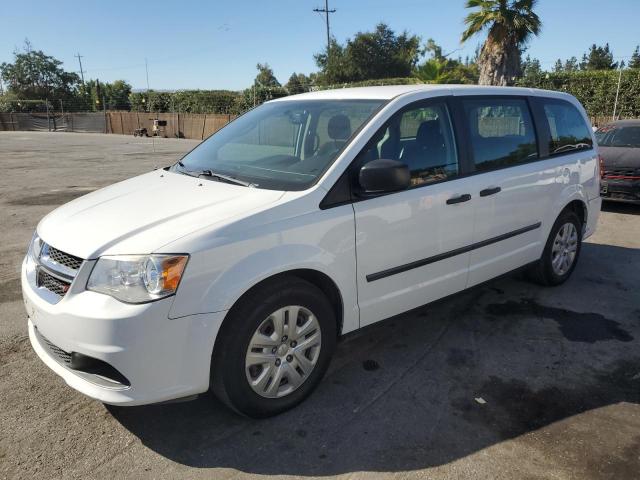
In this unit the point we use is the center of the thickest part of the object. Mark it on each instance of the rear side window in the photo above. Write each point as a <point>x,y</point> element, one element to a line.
<point>501,131</point>
<point>569,131</point>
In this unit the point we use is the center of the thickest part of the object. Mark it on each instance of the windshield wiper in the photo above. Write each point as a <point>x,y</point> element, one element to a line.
<point>211,174</point>
<point>224,178</point>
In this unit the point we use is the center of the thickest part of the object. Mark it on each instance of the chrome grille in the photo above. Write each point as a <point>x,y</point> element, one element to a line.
<point>63,258</point>
<point>45,280</point>
<point>622,172</point>
<point>55,271</point>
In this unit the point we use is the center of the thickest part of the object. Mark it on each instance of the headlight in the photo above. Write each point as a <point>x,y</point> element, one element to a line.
<point>35,246</point>
<point>137,278</point>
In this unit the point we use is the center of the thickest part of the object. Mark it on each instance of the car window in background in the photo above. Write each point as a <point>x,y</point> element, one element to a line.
<point>281,145</point>
<point>568,129</point>
<point>501,131</point>
<point>618,136</point>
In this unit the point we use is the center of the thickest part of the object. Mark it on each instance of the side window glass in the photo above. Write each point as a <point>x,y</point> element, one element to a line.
<point>501,131</point>
<point>426,144</point>
<point>568,129</point>
<point>421,137</point>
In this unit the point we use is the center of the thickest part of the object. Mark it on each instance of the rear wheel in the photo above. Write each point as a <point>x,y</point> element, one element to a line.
<point>561,251</point>
<point>275,349</point>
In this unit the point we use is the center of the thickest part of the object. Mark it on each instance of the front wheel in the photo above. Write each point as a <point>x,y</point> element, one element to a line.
<point>561,251</point>
<point>274,349</point>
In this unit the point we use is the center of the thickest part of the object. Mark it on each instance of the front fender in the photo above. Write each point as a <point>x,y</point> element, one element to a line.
<point>253,269</point>
<point>323,241</point>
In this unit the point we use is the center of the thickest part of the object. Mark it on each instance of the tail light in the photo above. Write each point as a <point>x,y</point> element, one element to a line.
<point>601,165</point>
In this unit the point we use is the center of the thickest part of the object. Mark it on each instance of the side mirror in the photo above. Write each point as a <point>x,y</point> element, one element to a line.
<point>381,176</point>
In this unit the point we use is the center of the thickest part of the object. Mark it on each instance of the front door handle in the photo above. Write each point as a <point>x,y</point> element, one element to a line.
<point>459,199</point>
<point>489,191</point>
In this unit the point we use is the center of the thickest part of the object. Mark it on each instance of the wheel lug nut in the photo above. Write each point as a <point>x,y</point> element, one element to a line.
<point>293,344</point>
<point>277,362</point>
<point>284,339</point>
<point>274,350</point>
<point>289,358</point>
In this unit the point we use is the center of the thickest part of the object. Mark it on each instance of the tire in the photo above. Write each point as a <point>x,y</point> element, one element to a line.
<point>545,271</point>
<point>257,316</point>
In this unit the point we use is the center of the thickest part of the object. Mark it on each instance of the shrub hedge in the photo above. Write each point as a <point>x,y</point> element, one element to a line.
<point>596,90</point>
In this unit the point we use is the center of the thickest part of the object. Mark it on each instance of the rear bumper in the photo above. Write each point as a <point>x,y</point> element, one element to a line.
<point>620,190</point>
<point>160,358</point>
<point>593,213</point>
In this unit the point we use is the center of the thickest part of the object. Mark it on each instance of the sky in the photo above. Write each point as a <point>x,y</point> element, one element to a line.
<point>192,44</point>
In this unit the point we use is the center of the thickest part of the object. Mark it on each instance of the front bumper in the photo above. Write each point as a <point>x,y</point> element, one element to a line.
<point>622,190</point>
<point>162,358</point>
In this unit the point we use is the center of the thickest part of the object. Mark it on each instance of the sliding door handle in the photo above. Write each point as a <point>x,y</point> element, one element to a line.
<point>459,199</point>
<point>489,191</point>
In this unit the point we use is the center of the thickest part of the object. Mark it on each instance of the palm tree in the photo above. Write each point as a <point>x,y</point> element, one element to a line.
<point>511,24</point>
<point>431,71</point>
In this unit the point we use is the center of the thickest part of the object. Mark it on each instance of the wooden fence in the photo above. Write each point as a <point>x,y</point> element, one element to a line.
<point>178,125</point>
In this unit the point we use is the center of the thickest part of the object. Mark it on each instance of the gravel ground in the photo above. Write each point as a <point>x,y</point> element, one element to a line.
<point>507,381</point>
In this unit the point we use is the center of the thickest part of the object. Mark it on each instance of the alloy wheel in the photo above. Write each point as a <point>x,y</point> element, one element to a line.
<point>564,249</point>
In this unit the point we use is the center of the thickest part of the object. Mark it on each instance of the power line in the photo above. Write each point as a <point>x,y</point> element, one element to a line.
<point>326,11</point>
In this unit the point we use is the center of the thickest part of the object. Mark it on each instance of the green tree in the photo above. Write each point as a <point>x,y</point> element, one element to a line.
<point>117,95</point>
<point>635,58</point>
<point>298,83</point>
<point>531,67</point>
<point>265,77</point>
<point>96,95</point>
<point>571,65</point>
<point>440,69</point>
<point>370,55</point>
<point>432,71</point>
<point>510,24</point>
<point>436,50</point>
<point>33,75</point>
<point>598,58</point>
<point>334,66</point>
<point>558,66</point>
<point>252,97</point>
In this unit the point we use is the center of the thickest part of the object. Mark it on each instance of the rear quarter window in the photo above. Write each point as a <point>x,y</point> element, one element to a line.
<point>502,132</point>
<point>569,132</point>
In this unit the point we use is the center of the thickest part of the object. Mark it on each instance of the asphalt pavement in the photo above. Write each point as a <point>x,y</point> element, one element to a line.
<point>510,380</point>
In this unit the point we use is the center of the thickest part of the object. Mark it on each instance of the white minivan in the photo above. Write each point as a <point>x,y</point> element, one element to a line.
<point>307,218</point>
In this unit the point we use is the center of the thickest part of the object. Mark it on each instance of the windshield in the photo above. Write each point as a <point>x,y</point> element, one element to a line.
<point>283,145</point>
<point>613,136</point>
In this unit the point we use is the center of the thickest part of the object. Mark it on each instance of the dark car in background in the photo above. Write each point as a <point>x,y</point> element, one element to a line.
<point>619,144</point>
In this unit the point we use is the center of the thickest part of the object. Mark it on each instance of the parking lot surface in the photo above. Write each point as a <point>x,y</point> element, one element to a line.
<point>509,380</point>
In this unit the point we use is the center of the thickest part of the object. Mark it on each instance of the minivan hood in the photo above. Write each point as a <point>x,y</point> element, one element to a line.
<point>142,214</point>
<point>620,157</point>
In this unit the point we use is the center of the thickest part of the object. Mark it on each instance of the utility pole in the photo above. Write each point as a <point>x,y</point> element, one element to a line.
<point>79,57</point>
<point>153,136</point>
<point>326,11</point>
<point>615,105</point>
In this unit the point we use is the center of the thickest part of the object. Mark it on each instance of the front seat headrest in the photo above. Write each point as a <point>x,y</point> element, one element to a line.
<point>429,134</point>
<point>339,127</point>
